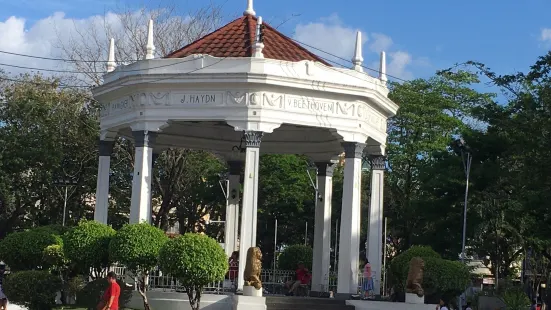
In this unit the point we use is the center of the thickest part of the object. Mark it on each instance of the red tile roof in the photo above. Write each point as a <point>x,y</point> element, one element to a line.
<point>236,39</point>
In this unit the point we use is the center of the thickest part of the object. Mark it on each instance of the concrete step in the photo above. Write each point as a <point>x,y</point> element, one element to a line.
<point>305,303</point>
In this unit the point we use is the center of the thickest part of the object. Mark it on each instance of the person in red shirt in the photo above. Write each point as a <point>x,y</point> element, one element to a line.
<point>110,299</point>
<point>302,278</point>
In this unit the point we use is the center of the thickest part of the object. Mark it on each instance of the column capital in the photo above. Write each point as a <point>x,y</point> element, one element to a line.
<point>252,138</point>
<point>325,168</point>
<point>235,167</point>
<point>144,138</point>
<point>106,147</point>
<point>378,162</point>
<point>353,149</point>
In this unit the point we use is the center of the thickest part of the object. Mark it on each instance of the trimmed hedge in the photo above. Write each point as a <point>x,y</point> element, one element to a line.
<point>87,245</point>
<point>399,266</point>
<point>33,289</point>
<point>24,250</point>
<point>195,260</point>
<point>441,278</point>
<point>137,246</point>
<point>294,254</point>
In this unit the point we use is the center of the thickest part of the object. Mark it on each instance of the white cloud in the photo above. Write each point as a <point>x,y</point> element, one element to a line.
<point>329,35</point>
<point>380,42</point>
<point>545,34</point>
<point>333,36</point>
<point>43,39</point>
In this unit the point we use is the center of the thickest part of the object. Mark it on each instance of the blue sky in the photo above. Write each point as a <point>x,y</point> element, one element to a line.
<point>506,35</point>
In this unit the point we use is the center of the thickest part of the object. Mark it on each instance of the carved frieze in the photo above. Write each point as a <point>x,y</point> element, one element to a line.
<point>158,98</point>
<point>236,98</point>
<point>358,110</point>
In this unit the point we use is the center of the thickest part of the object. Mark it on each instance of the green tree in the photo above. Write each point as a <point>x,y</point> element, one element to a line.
<point>137,247</point>
<point>195,260</point>
<point>295,254</point>
<point>87,246</point>
<point>285,194</point>
<point>422,198</point>
<point>47,133</point>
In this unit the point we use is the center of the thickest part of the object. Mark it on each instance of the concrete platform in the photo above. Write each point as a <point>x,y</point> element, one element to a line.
<point>179,301</point>
<point>386,305</point>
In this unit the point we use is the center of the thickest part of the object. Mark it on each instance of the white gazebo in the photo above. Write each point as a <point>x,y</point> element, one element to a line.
<point>246,90</point>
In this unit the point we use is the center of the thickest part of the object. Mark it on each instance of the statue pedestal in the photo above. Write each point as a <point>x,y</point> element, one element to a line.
<point>250,300</point>
<point>252,291</point>
<point>414,299</point>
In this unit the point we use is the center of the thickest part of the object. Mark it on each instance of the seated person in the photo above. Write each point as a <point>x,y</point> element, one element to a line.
<point>302,277</point>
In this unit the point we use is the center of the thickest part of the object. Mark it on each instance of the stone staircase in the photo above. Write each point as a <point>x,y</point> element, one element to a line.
<point>305,303</point>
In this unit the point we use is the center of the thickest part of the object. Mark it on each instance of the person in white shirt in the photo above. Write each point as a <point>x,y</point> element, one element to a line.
<point>468,306</point>
<point>443,305</point>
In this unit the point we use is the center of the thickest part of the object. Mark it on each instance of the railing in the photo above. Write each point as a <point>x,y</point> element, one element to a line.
<point>273,281</point>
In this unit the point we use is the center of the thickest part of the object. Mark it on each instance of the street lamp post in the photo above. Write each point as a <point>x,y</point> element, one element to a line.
<point>461,148</point>
<point>65,183</point>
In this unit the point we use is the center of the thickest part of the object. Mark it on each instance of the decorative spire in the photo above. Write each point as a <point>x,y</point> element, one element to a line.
<point>249,10</point>
<point>150,47</point>
<point>357,60</point>
<point>111,65</point>
<point>382,68</point>
<point>258,44</point>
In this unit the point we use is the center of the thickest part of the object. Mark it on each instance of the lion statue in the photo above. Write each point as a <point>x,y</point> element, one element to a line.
<point>253,267</point>
<point>414,282</point>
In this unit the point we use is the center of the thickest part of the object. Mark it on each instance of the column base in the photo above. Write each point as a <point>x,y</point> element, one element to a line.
<point>248,302</point>
<point>414,299</point>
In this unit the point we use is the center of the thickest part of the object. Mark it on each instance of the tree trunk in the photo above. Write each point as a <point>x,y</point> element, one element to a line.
<point>142,288</point>
<point>194,295</point>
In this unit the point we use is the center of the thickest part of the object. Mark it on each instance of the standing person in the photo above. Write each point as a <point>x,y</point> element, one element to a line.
<point>110,299</point>
<point>469,306</point>
<point>368,281</point>
<point>3,297</point>
<point>233,272</point>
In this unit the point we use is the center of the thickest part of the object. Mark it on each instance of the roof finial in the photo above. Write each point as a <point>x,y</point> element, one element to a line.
<point>111,65</point>
<point>382,68</point>
<point>258,44</point>
<point>358,59</point>
<point>150,47</point>
<point>249,10</point>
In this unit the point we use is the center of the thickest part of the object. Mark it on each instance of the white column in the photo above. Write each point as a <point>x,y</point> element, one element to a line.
<point>232,206</point>
<point>349,239</point>
<point>376,222</point>
<point>101,209</point>
<point>250,199</point>
<point>140,206</point>
<point>322,228</point>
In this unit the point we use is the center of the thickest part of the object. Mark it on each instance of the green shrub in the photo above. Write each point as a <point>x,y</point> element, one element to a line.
<point>24,250</point>
<point>33,289</point>
<point>53,255</point>
<point>515,299</point>
<point>441,278</point>
<point>137,247</point>
<point>399,266</point>
<point>87,245</point>
<point>294,254</point>
<point>91,294</point>
<point>195,260</point>
<point>444,278</point>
